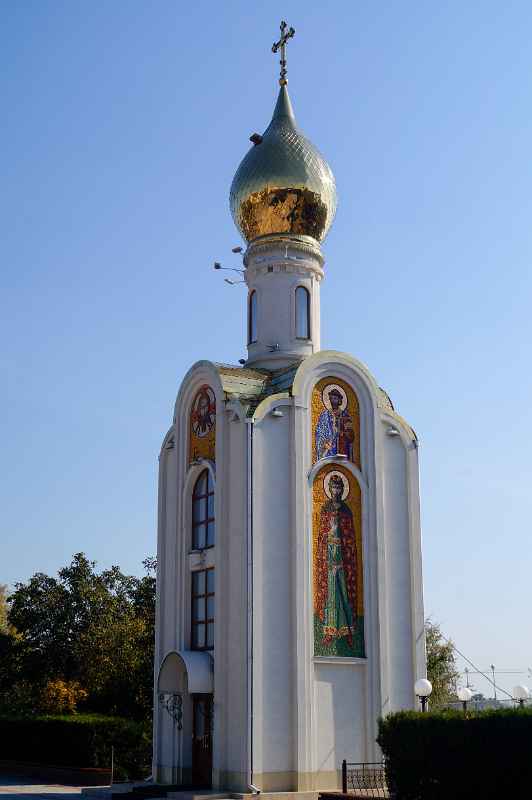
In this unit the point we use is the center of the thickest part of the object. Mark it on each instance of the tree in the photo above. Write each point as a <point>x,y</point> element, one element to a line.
<point>3,608</point>
<point>61,697</point>
<point>441,665</point>
<point>14,692</point>
<point>91,629</point>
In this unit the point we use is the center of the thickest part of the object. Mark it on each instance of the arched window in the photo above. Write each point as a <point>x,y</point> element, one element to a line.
<point>203,512</point>
<point>302,313</point>
<point>252,317</point>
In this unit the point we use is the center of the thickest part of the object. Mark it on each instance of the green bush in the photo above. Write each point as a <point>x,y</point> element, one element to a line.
<point>84,740</point>
<point>448,755</point>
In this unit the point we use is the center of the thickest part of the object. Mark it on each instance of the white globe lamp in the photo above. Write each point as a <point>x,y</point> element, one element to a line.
<point>423,689</point>
<point>464,694</point>
<point>521,693</point>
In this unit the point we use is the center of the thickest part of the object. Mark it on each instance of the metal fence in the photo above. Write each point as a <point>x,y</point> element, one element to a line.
<point>364,779</point>
<point>482,705</point>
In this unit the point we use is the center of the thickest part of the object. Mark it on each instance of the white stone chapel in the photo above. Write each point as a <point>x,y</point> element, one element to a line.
<point>289,587</point>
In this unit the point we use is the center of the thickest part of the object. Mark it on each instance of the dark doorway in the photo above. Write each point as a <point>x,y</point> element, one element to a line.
<point>202,741</point>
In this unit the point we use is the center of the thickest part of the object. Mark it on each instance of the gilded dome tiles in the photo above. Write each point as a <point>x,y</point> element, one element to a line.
<point>283,184</point>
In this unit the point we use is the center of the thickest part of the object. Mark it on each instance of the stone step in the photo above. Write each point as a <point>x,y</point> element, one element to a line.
<point>102,792</point>
<point>133,791</point>
<point>313,795</point>
<point>198,794</point>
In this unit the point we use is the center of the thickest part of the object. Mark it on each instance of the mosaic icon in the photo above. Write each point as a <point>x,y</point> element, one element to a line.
<point>335,421</point>
<point>337,556</point>
<point>203,425</point>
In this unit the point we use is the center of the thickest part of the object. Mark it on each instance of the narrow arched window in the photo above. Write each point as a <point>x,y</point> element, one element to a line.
<point>203,525</point>
<point>302,313</point>
<point>252,317</point>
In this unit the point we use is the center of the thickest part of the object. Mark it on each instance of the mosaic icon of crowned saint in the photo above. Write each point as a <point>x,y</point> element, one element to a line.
<point>335,421</point>
<point>338,613</point>
<point>336,563</point>
<point>203,424</point>
<point>334,432</point>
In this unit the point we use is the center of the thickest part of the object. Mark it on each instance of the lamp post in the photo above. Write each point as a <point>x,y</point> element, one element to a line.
<point>423,688</point>
<point>464,694</point>
<point>521,693</point>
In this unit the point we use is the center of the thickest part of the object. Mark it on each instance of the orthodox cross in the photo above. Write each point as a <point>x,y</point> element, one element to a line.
<point>281,44</point>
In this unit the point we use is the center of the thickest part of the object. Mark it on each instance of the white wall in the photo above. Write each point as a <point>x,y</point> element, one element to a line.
<point>231,698</point>
<point>273,605</point>
<point>340,703</point>
<point>398,575</point>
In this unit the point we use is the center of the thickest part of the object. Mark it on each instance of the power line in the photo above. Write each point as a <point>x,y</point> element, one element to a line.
<point>497,672</point>
<point>478,671</point>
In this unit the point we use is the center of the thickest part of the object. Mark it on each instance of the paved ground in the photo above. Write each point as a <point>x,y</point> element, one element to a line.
<point>20,786</point>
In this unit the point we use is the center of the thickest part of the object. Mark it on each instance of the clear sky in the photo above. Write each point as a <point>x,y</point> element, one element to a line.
<point>122,126</point>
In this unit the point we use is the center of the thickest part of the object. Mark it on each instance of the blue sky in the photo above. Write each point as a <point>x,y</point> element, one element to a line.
<point>123,125</point>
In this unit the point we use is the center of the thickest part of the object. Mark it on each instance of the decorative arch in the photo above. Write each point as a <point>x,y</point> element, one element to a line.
<point>335,420</point>
<point>337,558</point>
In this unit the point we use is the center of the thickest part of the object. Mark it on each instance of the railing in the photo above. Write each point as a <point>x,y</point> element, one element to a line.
<point>364,780</point>
<point>481,705</point>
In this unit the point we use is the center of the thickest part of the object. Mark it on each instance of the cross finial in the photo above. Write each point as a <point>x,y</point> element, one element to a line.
<point>281,44</point>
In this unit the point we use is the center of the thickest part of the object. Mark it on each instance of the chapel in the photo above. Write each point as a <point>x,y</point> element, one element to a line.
<point>289,589</point>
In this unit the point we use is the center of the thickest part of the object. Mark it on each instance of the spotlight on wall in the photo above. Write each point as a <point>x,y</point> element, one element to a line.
<point>277,412</point>
<point>217,265</point>
<point>391,431</point>
<point>232,283</point>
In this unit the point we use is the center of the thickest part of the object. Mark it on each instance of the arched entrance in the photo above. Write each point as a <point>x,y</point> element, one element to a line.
<point>185,693</point>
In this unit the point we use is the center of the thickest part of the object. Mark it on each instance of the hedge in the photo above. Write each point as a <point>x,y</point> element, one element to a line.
<point>449,755</point>
<point>83,740</point>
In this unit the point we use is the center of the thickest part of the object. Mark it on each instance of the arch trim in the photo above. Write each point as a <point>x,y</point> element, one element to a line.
<point>343,462</point>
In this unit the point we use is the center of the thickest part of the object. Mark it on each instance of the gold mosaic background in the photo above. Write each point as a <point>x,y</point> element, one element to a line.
<point>352,407</point>
<point>297,211</point>
<point>354,501</point>
<point>202,446</point>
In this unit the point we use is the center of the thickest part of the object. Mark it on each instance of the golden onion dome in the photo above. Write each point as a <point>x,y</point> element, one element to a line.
<point>283,184</point>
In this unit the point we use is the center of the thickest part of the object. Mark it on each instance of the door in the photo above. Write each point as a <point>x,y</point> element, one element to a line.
<point>202,741</point>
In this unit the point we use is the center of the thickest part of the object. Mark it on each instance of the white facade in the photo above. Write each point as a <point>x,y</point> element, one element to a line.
<point>283,718</point>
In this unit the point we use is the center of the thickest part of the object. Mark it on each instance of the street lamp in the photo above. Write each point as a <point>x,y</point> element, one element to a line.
<point>521,693</point>
<point>464,694</point>
<point>423,688</point>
